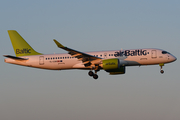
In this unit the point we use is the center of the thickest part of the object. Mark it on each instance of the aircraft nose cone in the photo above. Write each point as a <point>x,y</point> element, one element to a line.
<point>174,58</point>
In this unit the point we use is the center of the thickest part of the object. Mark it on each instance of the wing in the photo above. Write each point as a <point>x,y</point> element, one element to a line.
<point>87,59</point>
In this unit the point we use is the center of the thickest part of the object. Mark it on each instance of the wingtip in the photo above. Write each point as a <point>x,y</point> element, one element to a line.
<point>58,44</point>
<point>11,30</point>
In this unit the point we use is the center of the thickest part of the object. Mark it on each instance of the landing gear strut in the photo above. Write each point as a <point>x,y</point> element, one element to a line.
<point>161,65</point>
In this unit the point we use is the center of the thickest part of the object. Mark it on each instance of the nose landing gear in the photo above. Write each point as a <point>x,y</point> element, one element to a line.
<point>161,65</point>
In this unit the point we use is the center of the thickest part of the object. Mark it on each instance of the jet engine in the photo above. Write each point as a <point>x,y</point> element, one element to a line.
<point>114,66</point>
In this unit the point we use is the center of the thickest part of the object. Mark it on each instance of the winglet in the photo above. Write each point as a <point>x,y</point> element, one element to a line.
<point>58,44</point>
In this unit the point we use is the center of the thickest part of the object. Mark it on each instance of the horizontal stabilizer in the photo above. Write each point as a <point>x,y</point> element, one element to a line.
<point>16,58</point>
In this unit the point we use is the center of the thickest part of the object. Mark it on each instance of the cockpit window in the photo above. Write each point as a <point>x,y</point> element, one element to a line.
<point>165,52</point>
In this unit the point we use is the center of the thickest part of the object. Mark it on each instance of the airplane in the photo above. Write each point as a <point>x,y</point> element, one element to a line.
<point>114,62</point>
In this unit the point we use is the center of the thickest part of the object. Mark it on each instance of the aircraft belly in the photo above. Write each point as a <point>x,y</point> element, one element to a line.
<point>55,65</point>
<point>144,61</point>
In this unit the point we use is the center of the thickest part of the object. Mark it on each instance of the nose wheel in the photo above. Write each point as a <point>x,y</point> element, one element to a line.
<point>162,71</point>
<point>161,65</point>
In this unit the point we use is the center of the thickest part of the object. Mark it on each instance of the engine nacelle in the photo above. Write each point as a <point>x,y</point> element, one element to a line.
<point>113,66</point>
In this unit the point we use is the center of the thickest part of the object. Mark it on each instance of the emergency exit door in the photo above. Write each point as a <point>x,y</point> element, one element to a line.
<point>154,54</point>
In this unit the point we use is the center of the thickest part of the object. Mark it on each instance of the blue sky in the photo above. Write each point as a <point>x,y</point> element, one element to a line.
<point>142,93</point>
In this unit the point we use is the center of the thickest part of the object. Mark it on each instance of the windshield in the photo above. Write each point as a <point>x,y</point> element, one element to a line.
<point>165,52</point>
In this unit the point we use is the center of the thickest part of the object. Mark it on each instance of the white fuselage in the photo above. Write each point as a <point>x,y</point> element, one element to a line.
<point>65,61</point>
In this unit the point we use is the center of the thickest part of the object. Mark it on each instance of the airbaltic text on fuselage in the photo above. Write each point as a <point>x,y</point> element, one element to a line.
<point>138,52</point>
<point>23,51</point>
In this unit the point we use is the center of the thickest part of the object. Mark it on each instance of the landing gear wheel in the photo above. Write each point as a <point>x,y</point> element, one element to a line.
<point>162,71</point>
<point>95,76</point>
<point>90,73</point>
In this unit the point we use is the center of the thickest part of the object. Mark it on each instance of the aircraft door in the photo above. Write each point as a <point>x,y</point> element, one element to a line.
<point>41,60</point>
<point>154,54</point>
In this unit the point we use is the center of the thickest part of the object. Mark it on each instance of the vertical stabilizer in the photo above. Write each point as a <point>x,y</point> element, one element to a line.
<point>21,47</point>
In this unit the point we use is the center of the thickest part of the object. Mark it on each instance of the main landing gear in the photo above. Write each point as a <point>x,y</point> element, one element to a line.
<point>161,65</point>
<point>92,74</point>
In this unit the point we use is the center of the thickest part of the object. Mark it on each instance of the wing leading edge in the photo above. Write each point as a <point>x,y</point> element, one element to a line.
<point>87,59</point>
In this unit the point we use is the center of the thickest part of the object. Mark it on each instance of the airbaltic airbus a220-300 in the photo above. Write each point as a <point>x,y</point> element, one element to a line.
<point>113,62</point>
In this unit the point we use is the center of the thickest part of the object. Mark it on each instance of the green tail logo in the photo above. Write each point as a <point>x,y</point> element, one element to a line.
<point>21,47</point>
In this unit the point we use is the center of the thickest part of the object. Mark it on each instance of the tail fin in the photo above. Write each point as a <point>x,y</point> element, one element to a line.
<point>21,47</point>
